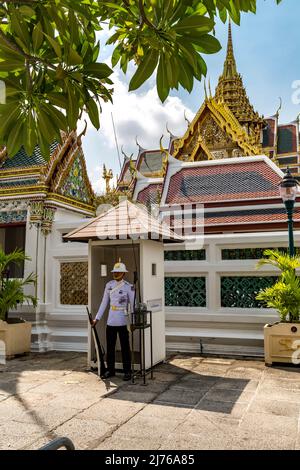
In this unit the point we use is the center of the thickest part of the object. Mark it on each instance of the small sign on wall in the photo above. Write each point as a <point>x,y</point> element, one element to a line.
<point>155,305</point>
<point>103,270</point>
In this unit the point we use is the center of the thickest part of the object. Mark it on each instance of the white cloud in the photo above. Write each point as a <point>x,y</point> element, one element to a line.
<point>97,182</point>
<point>136,114</point>
<point>142,115</point>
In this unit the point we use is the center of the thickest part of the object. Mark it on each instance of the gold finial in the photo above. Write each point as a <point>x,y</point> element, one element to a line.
<point>107,176</point>
<point>279,109</point>
<point>165,154</point>
<point>205,90</point>
<point>209,88</point>
<point>169,132</point>
<point>125,155</point>
<point>186,119</point>
<point>230,70</point>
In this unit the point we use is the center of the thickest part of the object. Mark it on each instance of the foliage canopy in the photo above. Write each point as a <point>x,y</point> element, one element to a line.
<point>49,57</point>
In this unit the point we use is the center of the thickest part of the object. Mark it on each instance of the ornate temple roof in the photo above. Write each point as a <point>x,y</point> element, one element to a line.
<point>214,130</point>
<point>231,91</point>
<point>63,179</point>
<point>22,160</point>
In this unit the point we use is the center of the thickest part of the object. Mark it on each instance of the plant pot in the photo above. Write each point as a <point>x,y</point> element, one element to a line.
<point>282,343</point>
<point>16,337</point>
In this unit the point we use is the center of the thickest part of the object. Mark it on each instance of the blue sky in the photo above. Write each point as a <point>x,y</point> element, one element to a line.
<point>267,52</point>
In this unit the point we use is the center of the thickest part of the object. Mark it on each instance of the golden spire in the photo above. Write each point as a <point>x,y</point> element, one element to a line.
<point>230,70</point>
<point>231,91</point>
<point>107,176</point>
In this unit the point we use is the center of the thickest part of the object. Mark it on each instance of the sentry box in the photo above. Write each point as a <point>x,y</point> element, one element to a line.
<point>128,232</point>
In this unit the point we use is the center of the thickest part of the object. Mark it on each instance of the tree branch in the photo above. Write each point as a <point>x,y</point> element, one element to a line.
<point>11,45</point>
<point>143,15</point>
<point>29,58</point>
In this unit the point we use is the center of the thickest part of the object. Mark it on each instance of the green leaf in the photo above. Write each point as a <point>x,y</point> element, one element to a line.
<point>73,57</point>
<point>15,138</point>
<point>194,23</point>
<point>12,65</point>
<point>115,7</point>
<point>162,82</point>
<point>47,126</point>
<point>9,114</point>
<point>73,28</point>
<point>27,11</point>
<point>37,37</point>
<point>145,69</point>
<point>56,116</point>
<point>20,28</point>
<point>206,44</point>
<point>93,113</point>
<point>55,44</point>
<point>58,99</point>
<point>98,70</point>
<point>235,12</point>
<point>116,55</point>
<point>73,106</point>
<point>30,138</point>
<point>223,15</point>
<point>186,75</point>
<point>188,51</point>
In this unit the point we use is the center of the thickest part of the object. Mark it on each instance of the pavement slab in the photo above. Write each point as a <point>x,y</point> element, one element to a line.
<point>192,403</point>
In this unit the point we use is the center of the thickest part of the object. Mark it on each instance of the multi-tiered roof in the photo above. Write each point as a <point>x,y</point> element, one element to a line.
<point>228,161</point>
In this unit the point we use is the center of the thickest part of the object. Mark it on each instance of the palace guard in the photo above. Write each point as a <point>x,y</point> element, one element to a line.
<point>121,296</point>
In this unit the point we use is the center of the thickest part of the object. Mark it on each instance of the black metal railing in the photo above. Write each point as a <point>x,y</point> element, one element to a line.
<point>58,443</point>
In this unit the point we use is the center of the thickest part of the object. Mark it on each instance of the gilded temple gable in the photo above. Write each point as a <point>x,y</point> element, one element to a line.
<point>214,133</point>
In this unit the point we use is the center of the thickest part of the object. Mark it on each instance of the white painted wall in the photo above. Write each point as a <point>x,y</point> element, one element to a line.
<point>221,329</point>
<point>54,326</point>
<point>64,327</point>
<point>67,323</point>
<point>152,288</point>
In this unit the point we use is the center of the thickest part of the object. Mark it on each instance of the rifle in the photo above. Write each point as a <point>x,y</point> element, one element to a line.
<point>99,349</point>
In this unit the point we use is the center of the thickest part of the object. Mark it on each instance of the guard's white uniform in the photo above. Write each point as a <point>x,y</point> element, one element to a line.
<point>121,298</point>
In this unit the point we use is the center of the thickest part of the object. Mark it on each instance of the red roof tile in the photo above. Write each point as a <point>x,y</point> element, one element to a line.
<point>216,183</point>
<point>149,194</point>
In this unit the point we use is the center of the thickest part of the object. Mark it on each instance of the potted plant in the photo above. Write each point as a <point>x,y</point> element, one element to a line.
<point>282,339</point>
<point>15,333</point>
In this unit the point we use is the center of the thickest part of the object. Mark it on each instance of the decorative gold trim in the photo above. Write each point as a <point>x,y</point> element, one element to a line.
<point>13,191</point>
<point>55,159</point>
<point>22,171</point>
<point>285,155</point>
<point>70,202</point>
<point>64,167</point>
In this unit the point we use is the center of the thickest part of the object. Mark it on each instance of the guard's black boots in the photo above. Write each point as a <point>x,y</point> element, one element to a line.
<point>108,374</point>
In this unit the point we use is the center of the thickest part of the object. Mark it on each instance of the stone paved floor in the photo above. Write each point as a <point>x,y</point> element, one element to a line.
<point>193,403</point>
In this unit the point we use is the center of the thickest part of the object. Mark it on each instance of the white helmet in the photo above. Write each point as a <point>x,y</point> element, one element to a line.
<point>119,268</point>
